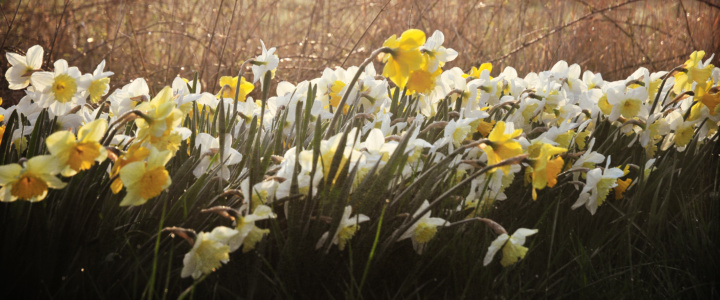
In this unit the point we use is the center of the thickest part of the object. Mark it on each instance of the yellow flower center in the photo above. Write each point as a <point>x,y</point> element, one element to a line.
<point>345,235</point>
<point>209,256</point>
<point>28,186</point>
<point>335,96</point>
<point>152,182</point>
<point>97,89</point>
<point>64,88</point>
<point>603,188</point>
<point>630,108</point>
<point>83,156</point>
<point>424,232</point>
<point>512,253</point>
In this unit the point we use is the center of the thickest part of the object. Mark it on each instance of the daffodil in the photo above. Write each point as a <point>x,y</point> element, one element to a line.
<point>99,83</point>
<point>697,71</point>
<point>502,145</point>
<point>249,233</point>
<point>345,231</point>
<point>228,85</point>
<point>265,62</point>
<point>60,90</point>
<point>78,154</point>
<point>424,229</point>
<point>597,187</point>
<point>18,75</point>
<point>144,180</point>
<point>476,72</point>
<point>544,169</point>
<point>512,247</point>
<point>629,104</point>
<point>30,180</point>
<point>437,54</point>
<point>136,152</point>
<point>161,119</point>
<point>209,146</point>
<point>208,253</point>
<point>404,56</point>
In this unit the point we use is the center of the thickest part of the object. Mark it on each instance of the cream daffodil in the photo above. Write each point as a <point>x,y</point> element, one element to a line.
<point>77,154</point>
<point>29,180</point>
<point>144,180</point>
<point>265,62</point>
<point>209,252</point>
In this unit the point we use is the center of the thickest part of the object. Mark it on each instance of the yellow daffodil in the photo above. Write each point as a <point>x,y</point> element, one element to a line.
<point>544,169</point>
<point>135,153</point>
<point>696,72</point>
<point>622,186</point>
<point>422,81</point>
<point>502,145</point>
<point>145,180</point>
<point>228,85</point>
<point>475,72</point>
<point>404,56</point>
<point>162,117</point>
<point>31,180</point>
<point>78,154</point>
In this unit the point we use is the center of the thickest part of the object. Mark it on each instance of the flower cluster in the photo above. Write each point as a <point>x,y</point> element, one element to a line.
<point>488,132</point>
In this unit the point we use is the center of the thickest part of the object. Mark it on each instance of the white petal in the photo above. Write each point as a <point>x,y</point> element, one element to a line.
<point>35,57</point>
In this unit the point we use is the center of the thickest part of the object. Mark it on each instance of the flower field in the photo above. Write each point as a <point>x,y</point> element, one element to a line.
<point>399,177</point>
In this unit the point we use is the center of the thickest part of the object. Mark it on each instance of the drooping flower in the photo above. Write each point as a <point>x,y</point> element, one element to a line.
<point>144,180</point>
<point>18,75</point>
<point>597,187</point>
<point>512,247</point>
<point>135,153</point>
<point>31,180</point>
<point>78,154</point>
<point>544,169</point>
<point>404,56</point>
<point>345,231</point>
<point>208,253</point>
<point>424,229</point>
<point>249,234</point>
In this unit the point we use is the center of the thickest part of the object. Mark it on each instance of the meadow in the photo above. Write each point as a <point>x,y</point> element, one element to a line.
<point>360,149</point>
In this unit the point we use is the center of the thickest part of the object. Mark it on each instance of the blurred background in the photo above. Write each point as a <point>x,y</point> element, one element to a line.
<point>160,39</point>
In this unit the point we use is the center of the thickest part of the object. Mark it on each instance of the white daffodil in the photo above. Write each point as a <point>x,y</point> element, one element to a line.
<point>424,229</point>
<point>345,231</point>
<point>60,90</point>
<point>598,185</point>
<point>249,234</point>
<point>99,83</point>
<point>18,75</point>
<point>265,62</point>
<point>629,104</point>
<point>512,247</point>
<point>437,54</point>
<point>209,146</point>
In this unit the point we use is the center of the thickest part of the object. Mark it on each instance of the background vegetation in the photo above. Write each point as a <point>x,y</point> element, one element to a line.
<point>158,40</point>
<point>661,241</point>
